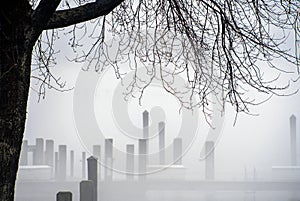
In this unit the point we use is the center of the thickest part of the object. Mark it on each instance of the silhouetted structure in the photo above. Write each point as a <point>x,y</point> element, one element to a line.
<point>161,142</point>
<point>177,151</point>
<point>108,159</point>
<point>83,163</point>
<point>86,190</point>
<point>130,161</point>
<point>293,140</point>
<point>93,174</point>
<point>209,160</point>
<point>142,158</point>
<point>64,196</point>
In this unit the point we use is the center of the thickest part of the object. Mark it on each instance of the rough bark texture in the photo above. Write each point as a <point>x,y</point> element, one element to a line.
<point>14,85</point>
<point>20,27</point>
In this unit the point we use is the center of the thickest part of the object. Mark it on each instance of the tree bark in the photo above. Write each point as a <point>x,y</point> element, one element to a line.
<point>15,64</point>
<point>20,27</point>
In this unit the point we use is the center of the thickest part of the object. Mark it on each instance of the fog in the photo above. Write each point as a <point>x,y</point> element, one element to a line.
<point>252,153</point>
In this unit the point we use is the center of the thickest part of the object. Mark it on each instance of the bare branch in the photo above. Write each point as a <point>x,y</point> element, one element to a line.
<point>89,11</point>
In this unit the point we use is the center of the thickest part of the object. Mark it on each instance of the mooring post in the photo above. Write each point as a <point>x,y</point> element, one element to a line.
<point>62,161</point>
<point>108,174</point>
<point>71,163</point>
<point>293,140</point>
<point>83,164</point>
<point>177,151</point>
<point>49,152</point>
<point>92,174</point>
<point>209,160</point>
<point>64,196</point>
<point>129,161</point>
<point>38,154</point>
<point>86,190</point>
<point>142,159</point>
<point>161,143</point>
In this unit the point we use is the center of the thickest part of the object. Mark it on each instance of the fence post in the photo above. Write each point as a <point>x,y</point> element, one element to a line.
<point>56,169</point>
<point>83,164</point>
<point>72,163</point>
<point>92,174</point>
<point>177,151</point>
<point>129,161</point>
<point>108,159</point>
<point>142,159</point>
<point>62,161</point>
<point>161,143</point>
<point>86,190</point>
<point>38,154</point>
<point>293,140</point>
<point>209,160</point>
<point>64,196</point>
<point>49,152</point>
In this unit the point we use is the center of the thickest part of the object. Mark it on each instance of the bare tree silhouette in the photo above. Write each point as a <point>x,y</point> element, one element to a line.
<point>219,46</point>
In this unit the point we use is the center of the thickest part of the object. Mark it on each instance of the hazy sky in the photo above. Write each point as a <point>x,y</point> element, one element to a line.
<point>255,141</point>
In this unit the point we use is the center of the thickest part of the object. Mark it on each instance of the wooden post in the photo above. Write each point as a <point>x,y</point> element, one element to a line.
<point>293,140</point>
<point>146,128</point>
<point>142,159</point>
<point>92,174</point>
<point>56,169</point>
<point>209,160</point>
<point>108,159</point>
<point>129,161</point>
<point>62,161</point>
<point>161,143</point>
<point>64,196</point>
<point>177,151</point>
<point>38,154</point>
<point>49,152</point>
<point>86,190</point>
<point>83,164</point>
<point>72,163</point>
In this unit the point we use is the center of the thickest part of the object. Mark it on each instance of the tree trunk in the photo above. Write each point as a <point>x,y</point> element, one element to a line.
<point>15,63</point>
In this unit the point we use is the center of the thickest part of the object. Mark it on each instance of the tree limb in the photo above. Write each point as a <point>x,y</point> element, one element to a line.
<point>64,18</point>
<point>39,17</point>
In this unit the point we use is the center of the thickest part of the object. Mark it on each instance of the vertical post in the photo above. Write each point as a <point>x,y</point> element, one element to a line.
<point>209,160</point>
<point>97,154</point>
<point>56,169</point>
<point>161,143</point>
<point>62,161</point>
<point>92,174</point>
<point>146,127</point>
<point>64,196</point>
<point>83,165</point>
<point>108,159</point>
<point>145,124</point>
<point>142,159</point>
<point>177,151</point>
<point>293,140</point>
<point>86,190</point>
<point>72,163</point>
<point>24,153</point>
<point>49,152</point>
<point>129,161</point>
<point>38,158</point>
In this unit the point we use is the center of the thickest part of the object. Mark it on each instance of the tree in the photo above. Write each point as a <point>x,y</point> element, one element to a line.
<point>220,46</point>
